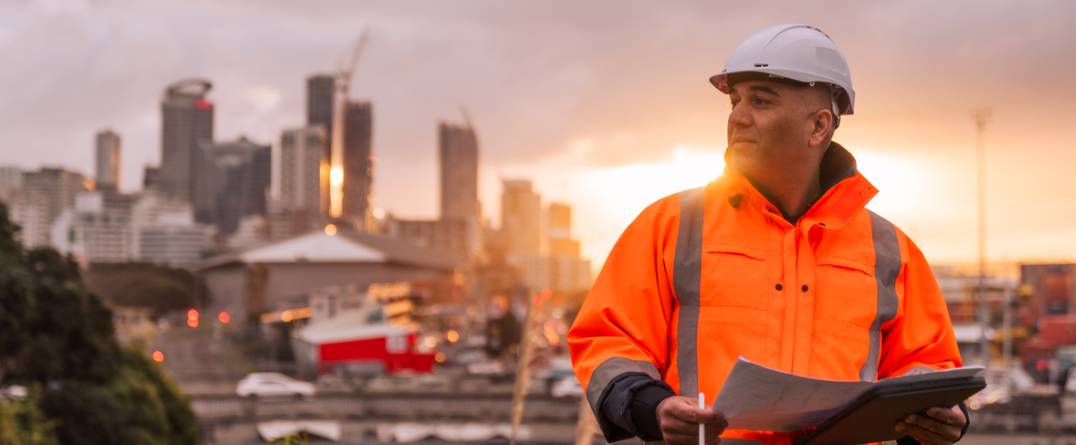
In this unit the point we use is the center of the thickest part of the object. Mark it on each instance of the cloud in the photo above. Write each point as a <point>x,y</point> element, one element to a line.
<point>629,77</point>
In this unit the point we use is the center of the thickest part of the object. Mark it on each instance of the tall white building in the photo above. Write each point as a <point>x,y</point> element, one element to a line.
<point>97,229</point>
<point>105,227</point>
<point>163,231</point>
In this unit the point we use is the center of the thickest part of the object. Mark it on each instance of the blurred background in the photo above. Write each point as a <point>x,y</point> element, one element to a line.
<point>368,222</point>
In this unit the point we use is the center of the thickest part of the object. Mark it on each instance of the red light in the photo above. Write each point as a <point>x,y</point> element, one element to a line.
<point>193,313</point>
<point>158,356</point>
<point>1041,365</point>
<point>203,104</point>
<point>224,317</point>
<point>192,322</point>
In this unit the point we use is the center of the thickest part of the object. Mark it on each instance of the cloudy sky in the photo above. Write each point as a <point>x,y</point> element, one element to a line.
<point>604,104</point>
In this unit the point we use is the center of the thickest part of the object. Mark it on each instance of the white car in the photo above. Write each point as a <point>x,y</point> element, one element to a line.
<point>270,384</point>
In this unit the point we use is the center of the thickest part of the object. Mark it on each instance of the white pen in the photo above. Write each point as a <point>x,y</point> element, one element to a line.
<point>702,428</point>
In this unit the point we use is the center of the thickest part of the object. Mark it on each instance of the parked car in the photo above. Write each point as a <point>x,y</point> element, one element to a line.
<point>273,384</point>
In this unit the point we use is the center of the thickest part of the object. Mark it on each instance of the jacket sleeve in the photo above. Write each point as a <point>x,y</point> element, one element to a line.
<point>622,326</point>
<point>921,332</point>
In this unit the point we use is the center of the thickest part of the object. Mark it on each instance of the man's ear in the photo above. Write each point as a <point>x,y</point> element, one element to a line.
<point>821,125</point>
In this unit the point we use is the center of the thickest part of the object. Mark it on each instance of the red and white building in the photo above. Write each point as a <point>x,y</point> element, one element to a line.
<point>360,342</point>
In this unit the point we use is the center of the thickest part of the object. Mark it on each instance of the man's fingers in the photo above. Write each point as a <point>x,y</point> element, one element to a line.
<point>934,425</point>
<point>712,435</point>
<point>952,416</point>
<point>924,436</point>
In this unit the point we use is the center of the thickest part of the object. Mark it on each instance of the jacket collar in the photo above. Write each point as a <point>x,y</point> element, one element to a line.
<point>845,191</point>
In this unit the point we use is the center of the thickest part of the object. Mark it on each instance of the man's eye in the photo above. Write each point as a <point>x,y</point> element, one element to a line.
<point>759,102</point>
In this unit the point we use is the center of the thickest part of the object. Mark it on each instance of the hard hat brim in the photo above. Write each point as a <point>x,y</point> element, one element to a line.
<point>725,81</point>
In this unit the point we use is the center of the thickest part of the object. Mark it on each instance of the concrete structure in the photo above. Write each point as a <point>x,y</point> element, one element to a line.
<point>357,162</point>
<point>299,188</point>
<point>457,149</point>
<point>300,170</point>
<point>176,245</point>
<point>320,90</point>
<point>107,160</point>
<point>44,196</point>
<point>186,122</point>
<point>164,232</point>
<point>97,229</point>
<point>31,212</point>
<point>448,236</point>
<point>545,255</point>
<point>281,274</point>
<point>558,233</point>
<point>232,183</point>
<point>521,217</point>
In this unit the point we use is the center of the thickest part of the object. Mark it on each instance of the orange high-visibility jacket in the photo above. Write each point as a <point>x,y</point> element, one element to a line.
<point>710,274</point>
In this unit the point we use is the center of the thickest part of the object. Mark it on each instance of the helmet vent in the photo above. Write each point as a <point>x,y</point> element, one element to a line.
<point>761,65</point>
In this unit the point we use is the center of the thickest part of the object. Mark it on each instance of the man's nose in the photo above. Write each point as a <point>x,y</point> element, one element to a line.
<point>739,116</point>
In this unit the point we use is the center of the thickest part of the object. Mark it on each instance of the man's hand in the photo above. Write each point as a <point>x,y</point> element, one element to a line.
<point>679,418</point>
<point>937,426</point>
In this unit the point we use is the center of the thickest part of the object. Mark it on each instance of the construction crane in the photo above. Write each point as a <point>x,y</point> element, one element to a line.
<point>344,73</point>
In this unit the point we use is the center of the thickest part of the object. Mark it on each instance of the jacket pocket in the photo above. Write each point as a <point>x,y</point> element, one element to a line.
<point>845,291</point>
<point>737,276</point>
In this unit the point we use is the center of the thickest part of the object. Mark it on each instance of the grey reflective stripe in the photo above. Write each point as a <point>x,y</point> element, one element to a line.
<point>886,268</point>
<point>687,272</point>
<point>608,370</point>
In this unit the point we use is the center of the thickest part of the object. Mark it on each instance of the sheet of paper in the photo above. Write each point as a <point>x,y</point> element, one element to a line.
<point>760,398</point>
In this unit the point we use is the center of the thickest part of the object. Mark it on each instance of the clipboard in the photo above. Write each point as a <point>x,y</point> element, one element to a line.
<point>872,416</point>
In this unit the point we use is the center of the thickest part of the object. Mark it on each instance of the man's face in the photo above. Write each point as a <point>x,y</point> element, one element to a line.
<point>769,128</point>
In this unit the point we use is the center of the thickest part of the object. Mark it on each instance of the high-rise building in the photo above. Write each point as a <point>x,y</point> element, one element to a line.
<point>300,170</point>
<point>320,91</point>
<point>186,122</point>
<point>231,183</point>
<point>558,231</point>
<point>107,160</point>
<point>356,161</point>
<point>521,217</point>
<point>568,271</point>
<point>49,190</point>
<point>299,188</point>
<point>458,158</point>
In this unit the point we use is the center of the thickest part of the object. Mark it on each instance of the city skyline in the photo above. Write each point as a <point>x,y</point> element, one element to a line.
<point>579,109</point>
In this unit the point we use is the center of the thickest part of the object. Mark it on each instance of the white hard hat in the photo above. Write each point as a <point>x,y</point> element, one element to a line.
<point>800,53</point>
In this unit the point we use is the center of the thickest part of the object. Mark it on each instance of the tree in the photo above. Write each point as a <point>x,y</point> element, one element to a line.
<point>57,335</point>
<point>158,288</point>
<point>23,423</point>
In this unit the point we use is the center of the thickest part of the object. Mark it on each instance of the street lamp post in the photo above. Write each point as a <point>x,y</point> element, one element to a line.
<point>981,117</point>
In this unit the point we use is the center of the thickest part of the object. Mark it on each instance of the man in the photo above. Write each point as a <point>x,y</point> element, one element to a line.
<point>777,261</point>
